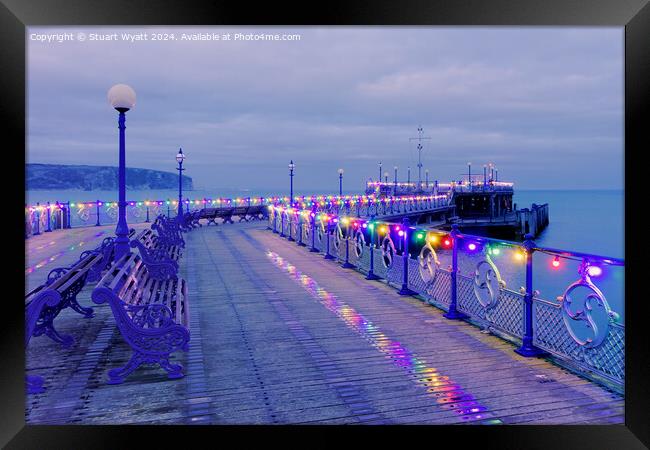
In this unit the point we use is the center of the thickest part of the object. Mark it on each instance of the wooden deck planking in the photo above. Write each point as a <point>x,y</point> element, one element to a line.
<point>266,350</point>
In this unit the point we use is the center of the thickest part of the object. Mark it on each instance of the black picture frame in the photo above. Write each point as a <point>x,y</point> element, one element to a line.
<point>634,15</point>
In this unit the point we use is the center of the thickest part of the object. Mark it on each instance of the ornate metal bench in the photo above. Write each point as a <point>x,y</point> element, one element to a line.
<point>210,214</point>
<point>226,214</point>
<point>43,305</point>
<point>242,212</point>
<point>152,316</point>
<point>35,303</point>
<point>169,231</point>
<point>161,261</point>
<point>257,212</point>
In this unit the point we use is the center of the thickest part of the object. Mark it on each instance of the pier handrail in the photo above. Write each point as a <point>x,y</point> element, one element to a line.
<point>577,329</point>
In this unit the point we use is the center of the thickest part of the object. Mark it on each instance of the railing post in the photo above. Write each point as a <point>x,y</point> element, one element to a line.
<point>275,220</point>
<point>97,209</point>
<point>453,313</point>
<point>405,259</point>
<point>329,230</point>
<point>371,272</point>
<point>346,264</point>
<point>282,224</point>
<point>301,225</point>
<point>38,220</point>
<point>290,238</point>
<point>527,348</point>
<point>313,248</point>
<point>49,217</point>
<point>68,213</point>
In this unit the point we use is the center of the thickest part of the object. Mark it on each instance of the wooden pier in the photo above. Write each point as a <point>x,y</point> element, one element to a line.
<point>281,336</point>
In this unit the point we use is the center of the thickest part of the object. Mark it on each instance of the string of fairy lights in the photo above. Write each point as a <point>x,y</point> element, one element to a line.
<point>414,238</point>
<point>302,201</point>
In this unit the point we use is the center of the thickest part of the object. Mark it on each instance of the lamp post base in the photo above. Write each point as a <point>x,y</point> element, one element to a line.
<point>313,250</point>
<point>290,239</point>
<point>371,276</point>
<point>328,256</point>
<point>347,265</point>
<point>302,244</point>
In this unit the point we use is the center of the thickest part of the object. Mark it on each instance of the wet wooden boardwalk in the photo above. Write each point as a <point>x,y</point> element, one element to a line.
<point>279,335</point>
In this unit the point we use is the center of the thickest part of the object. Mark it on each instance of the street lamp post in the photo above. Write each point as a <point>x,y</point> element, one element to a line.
<point>180,157</point>
<point>426,173</point>
<point>291,167</point>
<point>395,182</point>
<point>469,175</point>
<point>386,177</point>
<point>408,180</point>
<point>379,172</point>
<point>341,182</point>
<point>122,98</point>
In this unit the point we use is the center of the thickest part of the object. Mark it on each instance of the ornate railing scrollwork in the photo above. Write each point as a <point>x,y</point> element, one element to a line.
<point>428,264</point>
<point>359,244</point>
<point>586,296</point>
<point>338,236</point>
<point>487,283</point>
<point>387,251</point>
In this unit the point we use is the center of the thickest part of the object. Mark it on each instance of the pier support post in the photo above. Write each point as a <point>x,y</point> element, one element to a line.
<point>527,348</point>
<point>405,260</point>
<point>453,313</point>
<point>329,230</point>
<point>49,218</point>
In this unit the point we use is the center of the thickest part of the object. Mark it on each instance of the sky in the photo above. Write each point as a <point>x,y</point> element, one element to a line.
<point>545,105</point>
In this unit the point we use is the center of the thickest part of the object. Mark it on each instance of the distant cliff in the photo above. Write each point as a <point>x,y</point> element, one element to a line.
<point>103,178</point>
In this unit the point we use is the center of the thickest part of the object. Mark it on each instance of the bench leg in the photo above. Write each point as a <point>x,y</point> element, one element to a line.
<point>174,371</point>
<point>86,312</point>
<point>117,376</point>
<point>64,339</point>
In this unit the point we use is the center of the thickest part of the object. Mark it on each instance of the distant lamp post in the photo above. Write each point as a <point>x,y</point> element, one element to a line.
<point>341,182</point>
<point>386,177</point>
<point>484,174</point>
<point>408,176</point>
<point>122,98</point>
<point>379,172</point>
<point>291,167</point>
<point>426,174</point>
<point>180,157</point>
<point>395,181</point>
<point>469,174</point>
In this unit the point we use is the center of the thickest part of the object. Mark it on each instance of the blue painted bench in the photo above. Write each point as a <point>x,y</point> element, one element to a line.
<point>169,231</point>
<point>152,316</point>
<point>161,261</point>
<point>45,303</point>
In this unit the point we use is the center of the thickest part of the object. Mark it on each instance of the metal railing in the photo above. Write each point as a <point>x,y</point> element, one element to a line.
<point>50,216</point>
<point>488,282</point>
